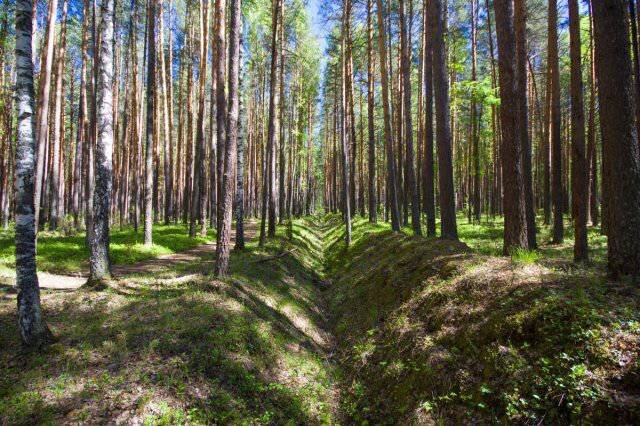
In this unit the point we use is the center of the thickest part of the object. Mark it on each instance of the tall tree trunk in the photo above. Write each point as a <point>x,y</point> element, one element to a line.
<point>579,170</point>
<point>391,168</point>
<point>520,24</point>
<point>151,87</point>
<point>515,225</point>
<point>619,136</point>
<point>591,148</point>
<point>99,267</point>
<point>556,140</point>
<point>198,195</point>
<point>474,118</point>
<point>408,125</point>
<point>282,187</point>
<point>81,140</point>
<point>42,128</point>
<point>428,172</point>
<point>449,229</point>
<point>242,132</point>
<point>33,329</point>
<point>228,181</point>
<point>373,202</point>
<point>221,106</point>
<point>636,58</point>
<point>57,135</point>
<point>346,195</point>
<point>167,149</point>
<point>269,177</point>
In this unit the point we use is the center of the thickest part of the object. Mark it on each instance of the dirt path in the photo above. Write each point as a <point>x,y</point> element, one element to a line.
<point>204,252</point>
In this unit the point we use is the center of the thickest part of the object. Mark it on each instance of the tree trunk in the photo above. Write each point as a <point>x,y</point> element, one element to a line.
<point>57,135</point>
<point>373,202</point>
<point>151,87</point>
<point>408,127</point>
<point>428,172</point>
<point>448,225</point>
<point>199,193</point>
<point>42,128</point>
<point>579,170</point>
<point>391,168</point>
<point>221,107</point>
<point>515,227</point>
<point>556,140</point>
<point>33,329</point>
<point>167,135</point>
<point>99,266</point>
<point>591,148</point>
<point>520,24</point>
<point>242,132</point>
<point>619,137</point>
<point>269,178</point>
<point>346,195</point>
<point>228,181</point>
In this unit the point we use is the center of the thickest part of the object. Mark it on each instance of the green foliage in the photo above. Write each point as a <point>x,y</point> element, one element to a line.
<point>525,256</point>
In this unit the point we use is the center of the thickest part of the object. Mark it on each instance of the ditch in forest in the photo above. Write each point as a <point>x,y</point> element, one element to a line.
<point>305,331</point>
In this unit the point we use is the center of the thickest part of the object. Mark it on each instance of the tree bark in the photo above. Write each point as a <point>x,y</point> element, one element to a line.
<point>515,228</point>
<point>619,136</point>
<point>428,172</point>
<point>520,24</point>
<point>57,135</point>
<point>346,195</point>
<point>448,227</point>
<point>228,181</point>
<point>99,267</point>
<point>556,140</point>
<point>579,170</point>
<point>269,178</point>
<point>392,197</point>
<point>42,131</point>
<point>151,87</point>
<point>373,202</point>
<point>33,329</point>
<point>408,125</point>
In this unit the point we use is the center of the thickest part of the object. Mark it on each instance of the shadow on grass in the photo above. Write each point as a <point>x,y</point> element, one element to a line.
<point>62,254</point>
<point>435,333</point>
<point>248,349</point>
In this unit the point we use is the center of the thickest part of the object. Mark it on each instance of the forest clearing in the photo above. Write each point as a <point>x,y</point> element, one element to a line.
<point>319,212</point>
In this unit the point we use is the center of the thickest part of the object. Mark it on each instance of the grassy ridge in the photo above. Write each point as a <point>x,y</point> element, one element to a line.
<point>181,347</point>
<point>430,330</point>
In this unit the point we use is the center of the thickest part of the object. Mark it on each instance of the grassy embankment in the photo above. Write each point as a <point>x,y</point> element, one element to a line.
<point>163,349</point>
<point>394,329</point>
<point>430,330</point>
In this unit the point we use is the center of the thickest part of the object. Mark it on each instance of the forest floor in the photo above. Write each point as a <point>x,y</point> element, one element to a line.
<point>63,256</point>
<point>393,329</point>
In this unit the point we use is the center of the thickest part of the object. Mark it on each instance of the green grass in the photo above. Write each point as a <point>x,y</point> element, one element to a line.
<point>59,253</point>
<point>392,329</point>
<point>439,332</point>
<point>163,350</point>
<point>486,238</point>
<point>525,256</point>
